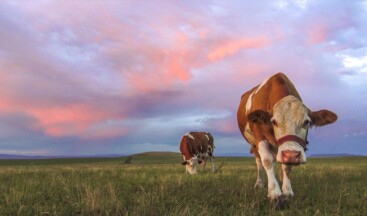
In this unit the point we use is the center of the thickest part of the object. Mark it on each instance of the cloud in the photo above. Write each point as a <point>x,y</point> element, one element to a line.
<point>317,34</point>
<point>135,76</point>
<point>355,134</point>
<point>355,69</point>
<point>231,47</point>
<point>357,63</point>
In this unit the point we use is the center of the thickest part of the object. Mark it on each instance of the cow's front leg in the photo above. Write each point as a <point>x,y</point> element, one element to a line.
<point>267,160</point>
<point>203,164</point>
<point>287,187</point>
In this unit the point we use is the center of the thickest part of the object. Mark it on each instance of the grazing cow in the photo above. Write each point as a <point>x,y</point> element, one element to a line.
<point>275,122</point>
<point>196,148</point>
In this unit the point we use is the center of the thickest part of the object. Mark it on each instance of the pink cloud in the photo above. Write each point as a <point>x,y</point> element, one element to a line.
<point>84,120</point>
<point>61,121</point>
<point>227,126</point>
<point>176,68</point>
<point>228,48</point>
<point>6,106</point>
<point>41,89</point>
<point>71,120</point>
<point>53,112</point>
<point>163,74</point>
<point>320,28</point>
<point>317,34</point>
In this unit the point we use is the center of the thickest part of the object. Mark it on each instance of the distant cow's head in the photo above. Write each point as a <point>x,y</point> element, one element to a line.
<point>289,122</point>
<point>191,164</point>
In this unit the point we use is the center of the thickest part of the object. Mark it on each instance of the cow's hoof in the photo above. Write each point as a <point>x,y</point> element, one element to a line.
<point>259,185</point>
<point>288,195</point>
<point>280,203</point>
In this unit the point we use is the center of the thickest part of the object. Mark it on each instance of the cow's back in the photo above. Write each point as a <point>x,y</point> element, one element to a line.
<point>200,144</point>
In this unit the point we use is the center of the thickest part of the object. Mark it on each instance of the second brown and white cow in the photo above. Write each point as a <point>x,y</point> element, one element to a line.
<point>196,148</point>
<point>275,122</point>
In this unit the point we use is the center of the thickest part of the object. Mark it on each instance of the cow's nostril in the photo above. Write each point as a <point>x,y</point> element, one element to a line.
<point>291,157</point>
<point>290,153</point>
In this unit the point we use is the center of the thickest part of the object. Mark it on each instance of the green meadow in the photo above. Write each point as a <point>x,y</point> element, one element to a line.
<point>156,184</point>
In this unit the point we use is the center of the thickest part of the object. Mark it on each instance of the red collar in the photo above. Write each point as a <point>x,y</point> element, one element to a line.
<point>293,138</point>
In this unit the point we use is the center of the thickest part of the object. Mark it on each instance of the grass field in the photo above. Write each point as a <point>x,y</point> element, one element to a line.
<point>156,184</point>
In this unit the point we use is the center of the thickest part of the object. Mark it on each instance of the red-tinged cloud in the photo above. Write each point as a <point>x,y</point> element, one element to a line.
<point>176,68</point>
<point>159,73</point>
<point>321,29</point>
<point>317,34</point>
<point>231,47</point>
<point>71,120</point>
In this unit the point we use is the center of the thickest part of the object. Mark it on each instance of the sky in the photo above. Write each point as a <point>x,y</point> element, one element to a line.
<point>123,77</point>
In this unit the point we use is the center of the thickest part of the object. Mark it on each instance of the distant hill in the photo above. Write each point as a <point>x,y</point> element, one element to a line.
<point>154,158</point>
<point>8,156</point>
<point>37,157</point>
<point>333,155</point>
<point>233,155</point>
<point>156,153</point>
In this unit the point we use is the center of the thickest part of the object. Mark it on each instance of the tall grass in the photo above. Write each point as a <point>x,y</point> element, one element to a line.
<point>322,187</point>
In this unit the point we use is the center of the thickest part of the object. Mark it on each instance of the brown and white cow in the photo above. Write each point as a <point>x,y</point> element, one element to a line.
<point>275,122</point>
<point>196,148</point>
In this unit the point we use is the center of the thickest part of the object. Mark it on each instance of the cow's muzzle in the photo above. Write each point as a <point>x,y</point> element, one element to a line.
<point>291,157</point>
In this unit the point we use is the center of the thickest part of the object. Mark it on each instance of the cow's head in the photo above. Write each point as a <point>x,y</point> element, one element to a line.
<point>289,122</point>
<point>191,164</point>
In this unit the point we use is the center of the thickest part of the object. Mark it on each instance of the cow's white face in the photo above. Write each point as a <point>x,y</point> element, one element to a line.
<point>191,165</point>
<point>290,117</point>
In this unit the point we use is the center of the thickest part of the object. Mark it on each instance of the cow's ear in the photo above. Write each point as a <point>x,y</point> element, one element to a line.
<point>322,117</point>
<point>259,117</point>
<point>184,163</point>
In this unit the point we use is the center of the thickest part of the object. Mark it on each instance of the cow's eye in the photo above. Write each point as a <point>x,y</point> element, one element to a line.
<point>274,123</point>
<point>306,123</point>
